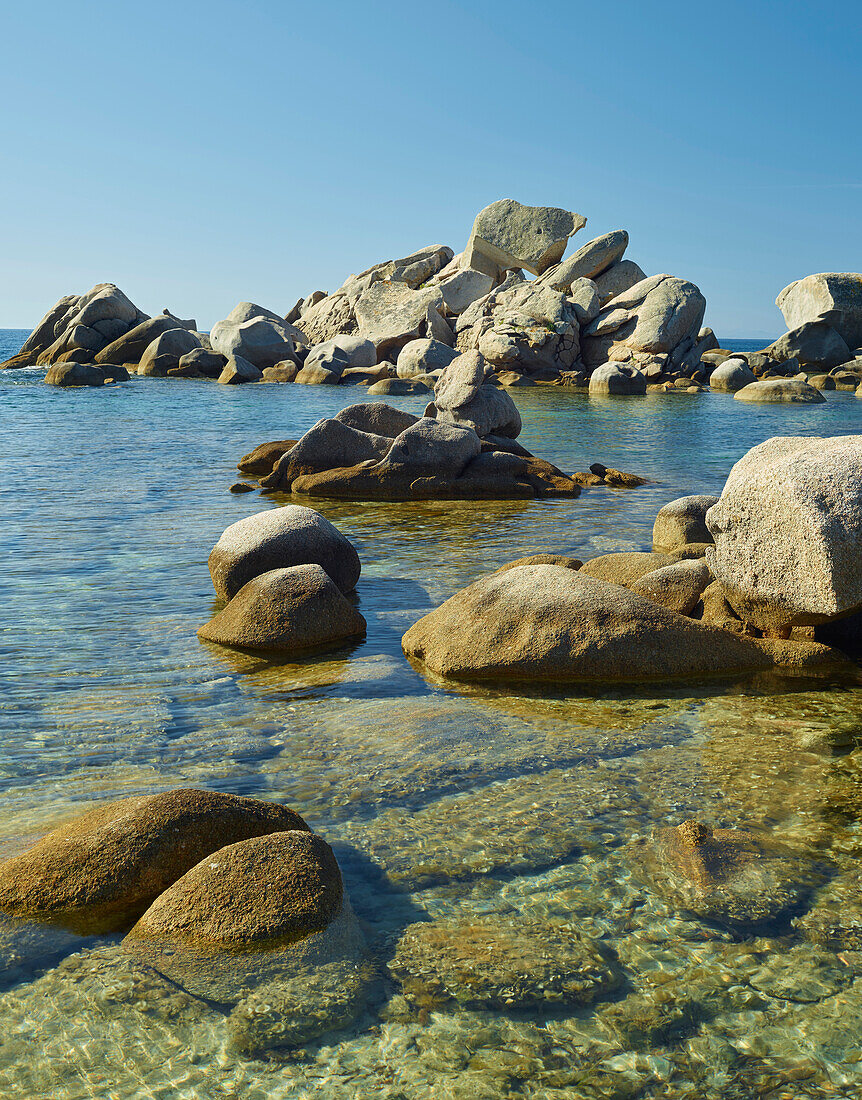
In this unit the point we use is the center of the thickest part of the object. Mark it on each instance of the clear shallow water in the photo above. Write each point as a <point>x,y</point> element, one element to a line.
<point>111,500</point>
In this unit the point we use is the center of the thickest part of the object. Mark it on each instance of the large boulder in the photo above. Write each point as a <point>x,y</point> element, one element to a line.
<point>276,539</point>
<point>461,381</point>
<point>75,374</point>
<point>617,378</point>
<point>289,610</point>
<point>788,532</point>
<point>814,344</point>
<point>376,417</point>
<point>390,315</point>
<point>783,390</point>
<point>165,352</point>
<point>834,297</point>
<point>327,444</point>
<point>682,522</point>
<point>491,412</point>
<point>677,587</point>
<point>237,371</point>
<point>99,872</point>
<point>255,334</point>
<point>432,446</point>
<point>731,375</point>
<point>422,357</point>
<point>625,568</point>
<point>129,348</point>
<point>543,622</point>
<point>341,353</point>
<point>43,335</point>
<point>590,261</point>
<point>617,279</point>
<point>507,235</point>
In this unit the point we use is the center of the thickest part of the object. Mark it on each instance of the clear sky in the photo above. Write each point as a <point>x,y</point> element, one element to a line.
<point>198,154</point>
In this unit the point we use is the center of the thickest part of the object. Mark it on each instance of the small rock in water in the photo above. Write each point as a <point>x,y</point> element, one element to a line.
<point>500,961</point>
<point>241,487</point>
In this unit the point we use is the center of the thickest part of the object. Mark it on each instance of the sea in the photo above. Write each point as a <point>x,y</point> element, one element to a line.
<point>443,802</point>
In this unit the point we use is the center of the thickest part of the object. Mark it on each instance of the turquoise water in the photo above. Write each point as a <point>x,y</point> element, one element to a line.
<point>111,501</point>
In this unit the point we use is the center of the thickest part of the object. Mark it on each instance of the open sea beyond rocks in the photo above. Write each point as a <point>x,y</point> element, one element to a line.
<point>440,800</point>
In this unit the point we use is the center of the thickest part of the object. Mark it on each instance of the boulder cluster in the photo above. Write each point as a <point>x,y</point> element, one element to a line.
<point>757,578</point>
<point>231,898</point>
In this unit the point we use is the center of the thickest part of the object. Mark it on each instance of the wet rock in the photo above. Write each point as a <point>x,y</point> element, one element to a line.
<point>681,522</point>
<point>543,559</point>
<point>98,872</point>
<point>290,610</point>
<point>542,622</point>
<point>500,961</point>
<point>260,461</point>
<point>788,532</point>
<point>75,374</point>
<point>258,911</point>
<point>834,920</point>
<point>727,876</point>
<point>784,390</point>
<point>241,487</point>
<point>803,975</point>
<point>507,234</point>
<point>277,539</point>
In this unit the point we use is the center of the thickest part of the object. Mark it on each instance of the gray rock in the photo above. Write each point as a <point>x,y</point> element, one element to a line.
<point>238,370</point>
<point>589,261</point>
<point>834,297</point>
<point>461,381</point>
<point>165,352</point>
<point>130,348</point>
<point>288,609</point>
<point>507,234</point>
<point>731,375</point>
<point>75,374</point>
<point>617,378</point>
<point>544,622</point>
<point>43,335</point>
<point>111,328</point>
<point>464,288</point>
<point>491,412</point>
<point>681,522</point>
<point>390,315</point>
<point>327,318</point>
<point>584,296</point>
<point>263,339</point>
<point>206,362</point>
<point>433,447</point>
<point>618,278</point>
<point>786,390</point>
<point>788,532</point>
<point>377,418</point>
<point>814,344</point>
<point>342,352</point>
<point>277,539</point>
<point>422,356</point>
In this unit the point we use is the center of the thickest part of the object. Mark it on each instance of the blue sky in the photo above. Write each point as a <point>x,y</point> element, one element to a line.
<point>198,154</point>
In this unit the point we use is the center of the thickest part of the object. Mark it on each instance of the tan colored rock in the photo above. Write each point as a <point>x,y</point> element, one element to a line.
<point>507,235</point>
<point>682,521</point>
<point>625,568</point>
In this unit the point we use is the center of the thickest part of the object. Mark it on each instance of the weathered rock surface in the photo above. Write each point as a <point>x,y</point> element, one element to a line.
<point>681,522</point>
<point>75,374</point>
<point>255,334</point>
<point>165,352</point>
<point>626,567</point>
<point>788,532</point>
<point>277,539</point>
<point>617,378</point>
<point>99,872</point>
<point>833,297</point>
<point>728,876</point>
<point>617,279</point>
<point>731,375</point>
<point>390,315</point>
<point>590,261</point>
<point>377,418</point>
<point>128,349</point>
<point>237,371</point>
<point>289,610</point>
<point>782,390</point>
<point>423,356</point>
<point>203,361</point>
<point>341,353</point>
<point>502,962</point>
<point>542,622</point>
<point>507,235</point>
<point>677,587</point>
<point>814,344</point>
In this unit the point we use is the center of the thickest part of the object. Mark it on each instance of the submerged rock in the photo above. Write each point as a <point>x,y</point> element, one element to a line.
<point>500,961</point>
<point>288,610</point>
<point>99,872</point>
<point>727,876</point>
<point>276,539</point>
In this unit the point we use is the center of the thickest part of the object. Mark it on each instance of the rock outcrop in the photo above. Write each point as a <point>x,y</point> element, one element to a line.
<point>833,297</point>
<point>508,235</point>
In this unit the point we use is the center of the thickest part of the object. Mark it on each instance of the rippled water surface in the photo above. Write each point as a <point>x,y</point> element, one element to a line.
<point>528,806</point>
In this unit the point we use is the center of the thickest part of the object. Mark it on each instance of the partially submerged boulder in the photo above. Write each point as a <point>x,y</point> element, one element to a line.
<point>276,539</point>
<point>731,375</point>
<point>99,872</point>
<point>462,396</point>
<point>785,391</point>
<point>677,587</point>
<point>238,371</point>
<point>165,352</point>
<point>289,610</point>
<point>813,344</point>
<point>788,532</point>
<point>543,622</point>
<point>617,378</point>
<point>75,374</point>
